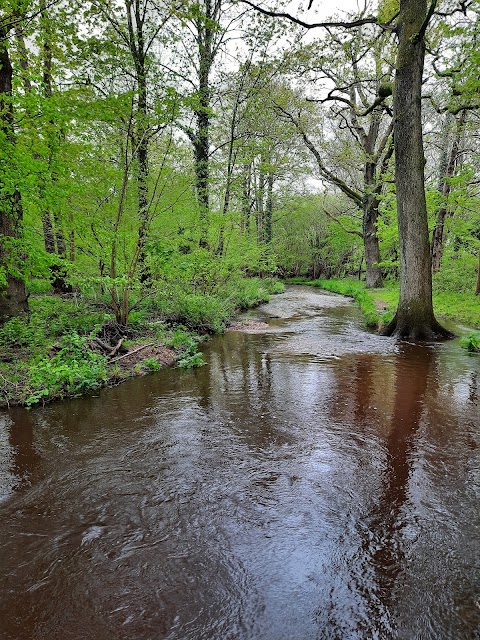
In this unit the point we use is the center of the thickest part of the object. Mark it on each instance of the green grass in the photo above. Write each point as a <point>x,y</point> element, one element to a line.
<point>457,306</point>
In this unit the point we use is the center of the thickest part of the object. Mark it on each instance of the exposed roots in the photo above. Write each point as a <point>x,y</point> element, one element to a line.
<point>422,332</point>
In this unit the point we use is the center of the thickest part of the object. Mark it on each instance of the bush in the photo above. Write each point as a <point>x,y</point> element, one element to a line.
<point>458,274</point>
<point>56,316</point>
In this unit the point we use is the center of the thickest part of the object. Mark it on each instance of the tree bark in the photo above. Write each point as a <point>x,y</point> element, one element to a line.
<point>374,276</point>
<point>477,290</point>
<point>269,208</point>
<point>438,235</point>
<point>206,26</point>
<point>13,299</point>
<point>414,319</point>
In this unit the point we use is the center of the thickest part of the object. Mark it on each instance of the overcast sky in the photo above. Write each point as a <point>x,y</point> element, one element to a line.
<point>322,9</point>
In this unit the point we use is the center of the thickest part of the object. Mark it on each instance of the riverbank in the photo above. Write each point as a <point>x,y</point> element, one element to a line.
<point>69,346</point>
<point>378,305</point>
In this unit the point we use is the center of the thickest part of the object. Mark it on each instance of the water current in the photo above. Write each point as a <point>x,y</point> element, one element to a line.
<point>313,481</point>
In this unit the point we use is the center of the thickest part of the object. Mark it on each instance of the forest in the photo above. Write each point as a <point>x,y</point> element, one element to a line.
<point>166,163</point>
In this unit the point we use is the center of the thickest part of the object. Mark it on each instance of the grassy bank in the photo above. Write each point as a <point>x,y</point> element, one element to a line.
<point>378,305</point>
<point>70,346</point>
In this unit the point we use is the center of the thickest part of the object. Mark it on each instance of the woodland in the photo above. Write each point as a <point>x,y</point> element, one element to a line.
<point>164,164</point>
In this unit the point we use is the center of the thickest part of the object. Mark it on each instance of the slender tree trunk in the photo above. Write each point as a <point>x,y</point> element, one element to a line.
<point>259,197</point>
<point>13,299</point>
<point>374,276</point>
<point>135,15</point>
<point>246,198</point>
<point>206,27</point>
<point>269,208</point>
<point>54,239</point>
<point>438,236</point>
<point>414,318</point>
<point>23,52</point>
<point>477,290</point>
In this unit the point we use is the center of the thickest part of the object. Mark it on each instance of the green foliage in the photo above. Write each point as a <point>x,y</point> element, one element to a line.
<point>310,243</point>
<point>56,316</point>
<point>17,332</point>
<point>191,356</point>
<point>458,272</point>
<point>38,286</point>
<point>151,364</point>
<point>387,10</point>
<point>73,370</point>
<point>471,342</point>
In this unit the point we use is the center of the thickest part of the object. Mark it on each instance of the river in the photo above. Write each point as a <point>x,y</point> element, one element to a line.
<point>314,481</point>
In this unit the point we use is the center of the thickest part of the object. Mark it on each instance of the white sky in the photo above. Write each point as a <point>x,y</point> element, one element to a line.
<point>322,9</point>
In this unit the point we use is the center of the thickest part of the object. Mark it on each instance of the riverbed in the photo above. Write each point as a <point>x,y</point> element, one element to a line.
<point>313,481</point>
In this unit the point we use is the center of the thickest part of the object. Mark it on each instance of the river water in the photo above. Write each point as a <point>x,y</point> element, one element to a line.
<point>314,481</point>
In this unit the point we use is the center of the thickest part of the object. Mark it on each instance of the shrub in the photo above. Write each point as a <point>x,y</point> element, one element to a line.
<point>151,364</point>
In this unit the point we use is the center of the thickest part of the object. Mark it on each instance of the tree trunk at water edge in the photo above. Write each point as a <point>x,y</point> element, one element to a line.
<point>414,319</point>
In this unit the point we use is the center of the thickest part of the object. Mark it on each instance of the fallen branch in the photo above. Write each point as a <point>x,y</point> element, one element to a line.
<point>116,348</point>
<point>103,345</point>
<point>130,353</point>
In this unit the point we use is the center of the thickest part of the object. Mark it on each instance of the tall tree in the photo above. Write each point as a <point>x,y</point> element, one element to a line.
<point>13,299</point>
<point>359,105</point>
<point>448,170</point>
<point>414,318</point>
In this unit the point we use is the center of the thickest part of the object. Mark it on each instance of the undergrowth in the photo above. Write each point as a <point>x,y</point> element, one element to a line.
<point>49,354</point>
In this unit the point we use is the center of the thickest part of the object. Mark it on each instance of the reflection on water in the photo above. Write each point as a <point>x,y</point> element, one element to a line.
<point>314,481</point>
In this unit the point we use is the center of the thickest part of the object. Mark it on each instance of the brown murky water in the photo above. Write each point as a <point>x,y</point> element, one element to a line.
<point>313,482</point>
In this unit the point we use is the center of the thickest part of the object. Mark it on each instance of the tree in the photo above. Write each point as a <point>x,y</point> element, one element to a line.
<point>414,318</point>
<point>13,299</point>
<point>357,106</point>
<point>448,170</point>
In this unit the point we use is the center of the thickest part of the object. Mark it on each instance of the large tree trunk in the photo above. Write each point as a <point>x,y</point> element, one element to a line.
<point>438,236</point>
<point>13,299</point>
<point>414,318</point>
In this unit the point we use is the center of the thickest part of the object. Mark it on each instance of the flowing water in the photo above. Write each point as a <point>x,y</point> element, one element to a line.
<point>314,481</point>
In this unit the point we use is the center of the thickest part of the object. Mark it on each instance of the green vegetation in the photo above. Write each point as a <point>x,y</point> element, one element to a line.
<point>471,342</point>
<point>53,353</point>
